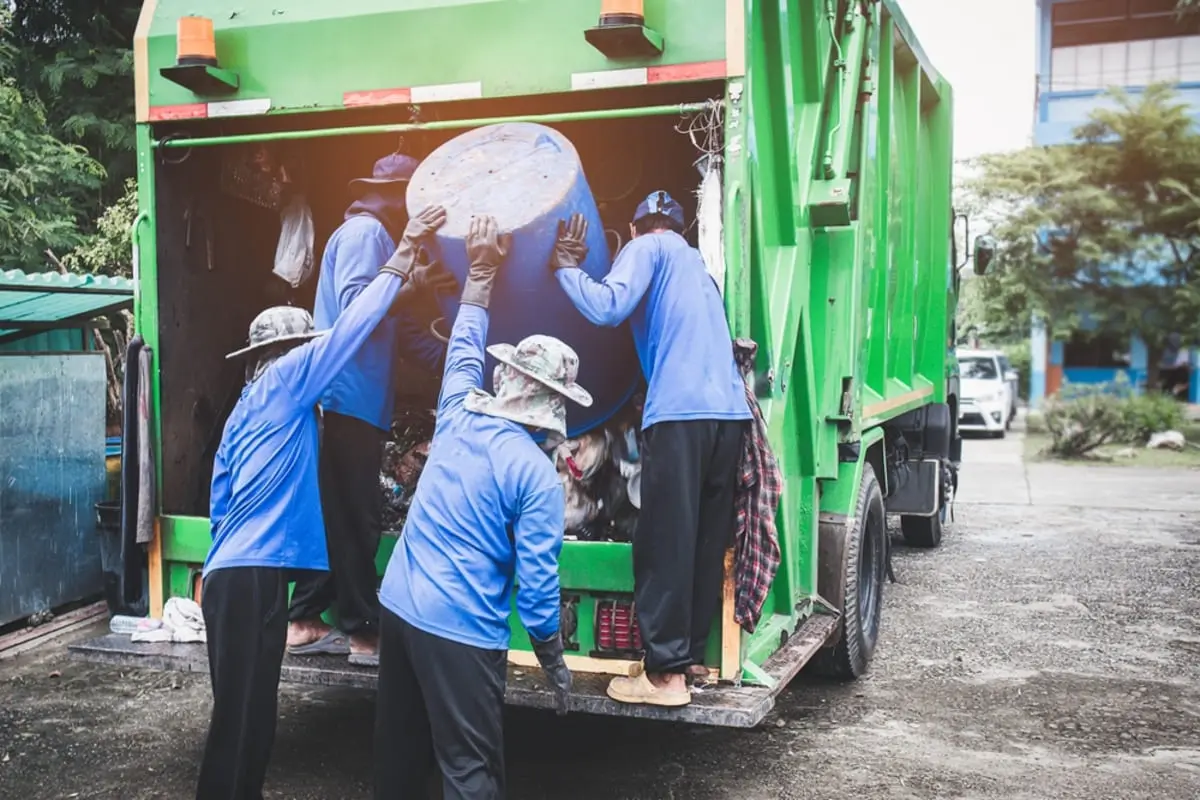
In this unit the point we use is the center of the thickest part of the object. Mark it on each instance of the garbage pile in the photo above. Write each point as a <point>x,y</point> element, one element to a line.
<point>601,476</point>
<point>404,456</point>
<point>600,472</point>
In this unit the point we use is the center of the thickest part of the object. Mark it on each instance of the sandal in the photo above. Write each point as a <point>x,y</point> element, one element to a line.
<point>334,643</point>
<point>637,688</point>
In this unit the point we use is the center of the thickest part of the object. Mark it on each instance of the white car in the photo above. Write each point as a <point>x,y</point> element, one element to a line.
<point>988,386</point>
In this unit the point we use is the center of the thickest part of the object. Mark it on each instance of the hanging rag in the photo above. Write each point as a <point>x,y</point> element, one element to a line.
<point>294,252</point>
<point>182,622</point>
<point>145,498</point>
<point>760,487</point>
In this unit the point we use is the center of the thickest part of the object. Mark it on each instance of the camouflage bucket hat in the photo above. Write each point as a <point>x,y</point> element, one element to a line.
<point>277,325</point>
<point>532,392</point>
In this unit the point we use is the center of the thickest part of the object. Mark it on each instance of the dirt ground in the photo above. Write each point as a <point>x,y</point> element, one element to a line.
<point>1049,649</point>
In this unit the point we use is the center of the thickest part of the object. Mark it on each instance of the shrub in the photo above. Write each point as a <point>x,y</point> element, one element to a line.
<point>1084,420</point>
<point>1149,414</point>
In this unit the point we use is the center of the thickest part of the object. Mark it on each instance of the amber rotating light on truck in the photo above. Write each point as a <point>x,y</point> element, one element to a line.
<point>196,66</point>
<point>622,31</point>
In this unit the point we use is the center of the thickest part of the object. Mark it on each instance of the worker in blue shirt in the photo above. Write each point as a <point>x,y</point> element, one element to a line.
<point>265,508</point>
<point>488,509</point>
<point>357,410</point>
<point>695,415</point>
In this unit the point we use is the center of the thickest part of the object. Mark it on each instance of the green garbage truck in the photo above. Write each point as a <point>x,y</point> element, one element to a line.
<point>811,140</point>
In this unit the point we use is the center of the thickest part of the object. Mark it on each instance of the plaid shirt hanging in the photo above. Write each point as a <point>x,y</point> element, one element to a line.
<point>760,487</point>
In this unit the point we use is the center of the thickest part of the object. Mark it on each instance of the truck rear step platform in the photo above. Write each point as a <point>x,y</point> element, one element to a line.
<point>724,705</point>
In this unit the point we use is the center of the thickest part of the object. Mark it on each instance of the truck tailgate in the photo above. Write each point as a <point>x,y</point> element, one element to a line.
<point>725,705</point>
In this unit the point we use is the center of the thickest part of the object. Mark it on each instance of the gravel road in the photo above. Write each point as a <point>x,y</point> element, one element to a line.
<point>1049,649</point>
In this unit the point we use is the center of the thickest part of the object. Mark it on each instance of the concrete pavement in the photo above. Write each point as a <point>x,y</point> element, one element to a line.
<point>994,472</point>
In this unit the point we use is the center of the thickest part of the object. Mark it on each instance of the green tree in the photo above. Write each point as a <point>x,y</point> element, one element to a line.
<point>77,58</point>
<point>46,185</point>
<point>108,250</point>
<point>1104,232</point>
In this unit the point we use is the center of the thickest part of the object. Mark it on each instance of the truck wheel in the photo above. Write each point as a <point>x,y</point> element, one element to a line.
<point>863,577</point>
<point>922,531</point>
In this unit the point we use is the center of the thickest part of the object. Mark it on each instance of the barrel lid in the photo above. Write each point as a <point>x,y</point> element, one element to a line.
<point>514,171</point>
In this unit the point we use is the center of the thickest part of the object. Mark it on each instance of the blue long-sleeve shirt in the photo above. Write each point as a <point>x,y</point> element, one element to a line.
<point>489,507</point>
<point>363,390</point>
<point>660,285</point>
<point>265,505</point>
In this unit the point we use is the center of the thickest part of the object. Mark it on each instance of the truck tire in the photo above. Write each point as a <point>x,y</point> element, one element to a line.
<point>922,531</point>
<point>863,577</point>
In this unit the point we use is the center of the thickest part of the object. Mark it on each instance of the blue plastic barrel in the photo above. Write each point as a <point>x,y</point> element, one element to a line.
<point>529,177</point>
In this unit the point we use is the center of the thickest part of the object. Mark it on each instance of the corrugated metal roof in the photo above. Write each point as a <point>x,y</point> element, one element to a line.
<point>39,301</point>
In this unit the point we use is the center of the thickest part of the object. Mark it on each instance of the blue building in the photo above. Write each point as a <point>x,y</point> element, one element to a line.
<point>1083,48</point>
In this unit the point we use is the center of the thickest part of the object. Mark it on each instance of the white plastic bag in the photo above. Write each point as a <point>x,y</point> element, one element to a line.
<point>709,218</point>
<point>294,253</point>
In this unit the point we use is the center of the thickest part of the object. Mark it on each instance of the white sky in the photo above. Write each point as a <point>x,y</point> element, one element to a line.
<point>985,48</point>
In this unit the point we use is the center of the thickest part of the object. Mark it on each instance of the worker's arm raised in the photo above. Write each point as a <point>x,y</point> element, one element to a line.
<point>538,533</point>
<point>610,301</point>
<point>309,370</point>
<point>464,355</point>
<point>486,251</point>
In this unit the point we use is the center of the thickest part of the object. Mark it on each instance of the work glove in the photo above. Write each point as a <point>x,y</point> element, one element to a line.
<point>419,228</point>
<point>486,250</point>
<point>427,279</point>
<point>571,248</point>
<point>550,655</point>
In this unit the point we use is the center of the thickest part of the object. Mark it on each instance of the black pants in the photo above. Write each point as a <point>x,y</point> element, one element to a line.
<point>689,473</point>
<point>438,701</point>
<point>350,460</point>
<point>245,617</point>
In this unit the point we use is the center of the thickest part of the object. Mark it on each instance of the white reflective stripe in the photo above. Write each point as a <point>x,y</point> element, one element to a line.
<point>609,78</point>
<point>442,92</point>
<point>239,108</point>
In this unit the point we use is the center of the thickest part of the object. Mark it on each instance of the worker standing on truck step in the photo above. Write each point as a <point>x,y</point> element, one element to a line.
<point>488,509</point>
<point>695,416</point>
<point>266,508</point>
<point>357,417</point>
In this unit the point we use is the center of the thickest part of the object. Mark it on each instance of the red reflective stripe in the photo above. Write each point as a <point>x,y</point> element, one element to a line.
<point>377,97</point>
<point>186,111</point>
<point>675,73</point>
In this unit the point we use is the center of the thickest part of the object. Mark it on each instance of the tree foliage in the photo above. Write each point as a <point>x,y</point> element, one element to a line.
<point>1103,233</point>
<point>108,251</point>
<point>77,58</point>
<point>45,184</point>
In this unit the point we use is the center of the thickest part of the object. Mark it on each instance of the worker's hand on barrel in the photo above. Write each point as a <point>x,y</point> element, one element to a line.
<point>550,655</point>
<point>486,250</point>
<point>425,223</point>
<point>571,248</point>
<point>404,260</point>
<point>486,246</point>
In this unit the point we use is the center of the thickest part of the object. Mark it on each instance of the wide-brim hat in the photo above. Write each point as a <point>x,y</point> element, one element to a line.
<point>278,325</point>
<point>535,392</point>
<point>552,376</point>
<point>392,169</point>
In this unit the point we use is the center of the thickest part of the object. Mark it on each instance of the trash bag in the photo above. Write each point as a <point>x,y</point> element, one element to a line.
<point>404,455</point>
<point>294,253</point>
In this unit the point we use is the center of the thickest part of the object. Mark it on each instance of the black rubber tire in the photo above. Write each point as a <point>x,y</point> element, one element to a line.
<point>866,555</point>
<point>922,531</point>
